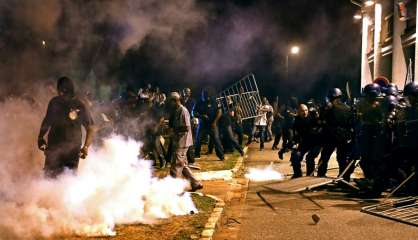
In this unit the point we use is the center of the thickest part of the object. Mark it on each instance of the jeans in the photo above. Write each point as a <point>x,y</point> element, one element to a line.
<point>214,137</point>
<point>262,130</point>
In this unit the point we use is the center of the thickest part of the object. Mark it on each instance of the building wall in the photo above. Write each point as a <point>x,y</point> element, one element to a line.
<point>399,66</point>
<point>397,44</point>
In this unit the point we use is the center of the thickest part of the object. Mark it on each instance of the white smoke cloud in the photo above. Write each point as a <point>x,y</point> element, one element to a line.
<point>111,187</point>
<point>264,174</point>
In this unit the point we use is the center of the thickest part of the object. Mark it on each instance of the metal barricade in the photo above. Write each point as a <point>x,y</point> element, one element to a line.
<point>242,94</point>
<point>403,210</point>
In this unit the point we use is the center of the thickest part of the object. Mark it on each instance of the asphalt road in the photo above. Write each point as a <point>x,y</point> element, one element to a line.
<point>276,215</point>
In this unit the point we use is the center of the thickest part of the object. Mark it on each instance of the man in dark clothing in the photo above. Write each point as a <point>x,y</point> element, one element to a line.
<point>209,114</point>
<point>306,128</point>
<point>277,123</point>
<point>337,133</point>
<point>190,104</point>
<point>407,134</point>
<point>289,114</point>
<point>227,132</point>
<point>152,138</point>
<point>372,136</point>
<point>63,120</point>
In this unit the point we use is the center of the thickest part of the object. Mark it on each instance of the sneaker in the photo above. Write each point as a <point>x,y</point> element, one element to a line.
<point>281,155</point>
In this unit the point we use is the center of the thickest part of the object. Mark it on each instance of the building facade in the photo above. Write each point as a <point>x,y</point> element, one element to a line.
<point>388,41</point>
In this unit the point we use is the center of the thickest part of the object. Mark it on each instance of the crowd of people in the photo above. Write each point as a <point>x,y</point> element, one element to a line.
<point>379,129</point>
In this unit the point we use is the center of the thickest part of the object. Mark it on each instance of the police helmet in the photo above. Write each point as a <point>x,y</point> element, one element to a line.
<point>392,90</point>
<point>382,81</point>
<point>411,89</point>
<point>334,94</point>
<point>391,101</point>
<point>372,90</point>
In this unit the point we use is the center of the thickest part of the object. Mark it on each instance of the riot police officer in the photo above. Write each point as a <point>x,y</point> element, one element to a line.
<point>372,136</point>
<point>337,133</point>
<point>306,130</point>
<point>407,132</point>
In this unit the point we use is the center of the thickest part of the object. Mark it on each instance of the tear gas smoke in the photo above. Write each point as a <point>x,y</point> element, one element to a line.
<point>112,186</point>
<point>264,174</point>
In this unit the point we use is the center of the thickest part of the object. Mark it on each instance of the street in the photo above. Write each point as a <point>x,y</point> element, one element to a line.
<point>289,216</point>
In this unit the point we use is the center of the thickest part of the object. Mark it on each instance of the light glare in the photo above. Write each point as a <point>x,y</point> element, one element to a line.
<point>295,50</point>
<point>369,3</point>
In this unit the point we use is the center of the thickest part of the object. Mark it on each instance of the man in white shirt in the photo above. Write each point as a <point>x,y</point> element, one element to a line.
<point>260,123</point>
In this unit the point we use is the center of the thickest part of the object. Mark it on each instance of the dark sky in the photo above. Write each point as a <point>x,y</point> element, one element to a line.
<point>180,43</point>
<point>325,31</point>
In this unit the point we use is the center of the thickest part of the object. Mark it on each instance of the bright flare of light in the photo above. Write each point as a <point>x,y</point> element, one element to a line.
<point>264,174</point>
<point>43,43</point>
<point>295,50</point>
<point>369,3</point>
<point>357,16</point>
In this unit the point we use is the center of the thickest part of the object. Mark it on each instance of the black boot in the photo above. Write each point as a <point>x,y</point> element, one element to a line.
<point>310,169</point>
<point>297,171</point>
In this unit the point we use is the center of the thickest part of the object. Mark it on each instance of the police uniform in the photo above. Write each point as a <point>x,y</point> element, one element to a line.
<point>337,135</point>
<point>407,135</point>
<point>372,140</point>
<point>306,132</point>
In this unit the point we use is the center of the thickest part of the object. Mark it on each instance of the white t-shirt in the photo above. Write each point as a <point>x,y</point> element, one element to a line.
<point>262,111</point>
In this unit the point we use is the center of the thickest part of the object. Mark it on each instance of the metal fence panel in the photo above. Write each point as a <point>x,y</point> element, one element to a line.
<point>243,94</point>
<point>403,210</point>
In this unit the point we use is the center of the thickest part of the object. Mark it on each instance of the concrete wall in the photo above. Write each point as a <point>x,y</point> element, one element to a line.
<point>399,66</point>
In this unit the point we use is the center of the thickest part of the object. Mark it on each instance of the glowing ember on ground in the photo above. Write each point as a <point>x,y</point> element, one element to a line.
<point>264,174</point>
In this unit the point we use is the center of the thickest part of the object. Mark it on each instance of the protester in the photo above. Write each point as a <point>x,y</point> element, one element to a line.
<point>182,139</point>
<point>260,123</point>
<point>63,120</point>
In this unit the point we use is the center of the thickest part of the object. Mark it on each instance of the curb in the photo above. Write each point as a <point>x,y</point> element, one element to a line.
<point>240,163</point>
<point>226,175</point>
<point>215,218</point>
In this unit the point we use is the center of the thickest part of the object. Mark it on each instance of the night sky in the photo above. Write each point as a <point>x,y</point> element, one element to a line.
<point>330,44</point>
<point>181,43</point>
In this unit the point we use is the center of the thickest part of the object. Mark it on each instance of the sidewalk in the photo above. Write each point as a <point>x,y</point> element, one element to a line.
<point>289,216</point>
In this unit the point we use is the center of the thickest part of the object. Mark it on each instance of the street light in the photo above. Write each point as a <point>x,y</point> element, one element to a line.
<point>369,3</point>
<point>294,50</point>
<point>358,15</point>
